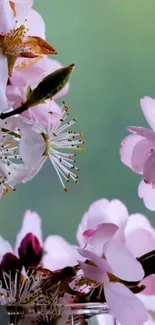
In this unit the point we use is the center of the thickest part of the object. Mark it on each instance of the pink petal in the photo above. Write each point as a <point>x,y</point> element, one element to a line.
<point>31,223</point>
<point>100,236</point>
<point>27,75</point>
<point>149,282</point>
<point>140,153</point>
<point>148,108</point>
<point>145,133</point>
<point>40,113</point>
<point>94,273</point>
<point>148,301</point>
<point>124,305</point>
<point>116,212</point>
<point>137,220</point>
<point>137,227</point>
<point>48,65</point>
<point>93,217</point>
<point>149,169</point>
<point>140,242</point>
<point>14,96</point>
<point>147,193</point>
<point>102,211</point>
<point>59,253</point>
<point>122,262</point>
<point>98,261</point>
<point>6,17</point>
<point>88,234</point>
<point>17,79</point>
<point>127,147</point>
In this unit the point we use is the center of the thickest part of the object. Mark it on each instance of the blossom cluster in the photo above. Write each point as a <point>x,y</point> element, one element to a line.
<point>114,260</point>
<point>33,127</point>
<point>110,264</point>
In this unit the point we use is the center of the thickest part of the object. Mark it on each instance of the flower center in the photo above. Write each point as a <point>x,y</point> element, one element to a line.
<point>13,42</point>
<point>47,144</point>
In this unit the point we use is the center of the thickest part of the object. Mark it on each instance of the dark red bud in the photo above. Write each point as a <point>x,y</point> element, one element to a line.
<point>30,251</point>
<point>11,263</point>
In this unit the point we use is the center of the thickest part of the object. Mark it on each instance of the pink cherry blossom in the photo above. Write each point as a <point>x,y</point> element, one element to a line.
<point>138,153</point>
<point>100,212</point>
<point>124,305</point>
<point>7,23</point>
<point>110,219</point>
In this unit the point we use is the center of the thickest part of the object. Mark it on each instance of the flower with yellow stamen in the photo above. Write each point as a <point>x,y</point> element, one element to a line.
<point>17,44</point>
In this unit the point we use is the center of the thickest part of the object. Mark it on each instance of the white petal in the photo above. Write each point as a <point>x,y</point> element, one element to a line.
<point>4,103</point>
<point>148,301</point>
<point>12,174</point>
<point>122,262</point>
<point>31,223</point>
<point>15,173</point>
<point>35,24</point>
<point>32,145</point>
<point>6,16</point>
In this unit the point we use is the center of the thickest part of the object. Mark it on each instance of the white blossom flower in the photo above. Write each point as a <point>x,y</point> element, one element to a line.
<point>37,144</point>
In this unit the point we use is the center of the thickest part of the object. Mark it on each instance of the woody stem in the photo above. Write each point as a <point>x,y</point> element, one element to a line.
<point>18,110</point>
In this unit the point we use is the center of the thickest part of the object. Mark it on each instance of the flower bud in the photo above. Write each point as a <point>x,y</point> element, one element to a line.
<point>49,86</point>
<point>30,251</point>
<point>11,263</point>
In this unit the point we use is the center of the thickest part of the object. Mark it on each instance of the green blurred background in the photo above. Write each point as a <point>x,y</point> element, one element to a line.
<point>112,43</point>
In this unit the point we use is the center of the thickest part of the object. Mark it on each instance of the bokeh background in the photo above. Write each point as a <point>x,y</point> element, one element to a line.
<point>112,43</point>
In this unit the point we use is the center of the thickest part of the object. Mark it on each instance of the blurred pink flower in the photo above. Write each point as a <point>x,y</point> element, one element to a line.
<point>101,212</point>
<point>7,23</point>
<point>124,305</point>
<point>110,219</point>
<point>126,228</point>
<point>57,252</point>
<point>138,153</point>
